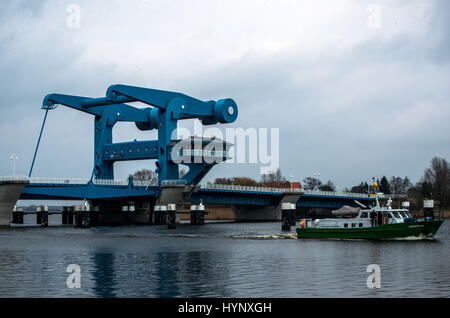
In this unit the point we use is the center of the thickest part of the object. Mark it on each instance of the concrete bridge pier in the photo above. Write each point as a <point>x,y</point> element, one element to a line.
<point>10,191</point>
<point>43,212</point>
<point>17,216</point>
<point>288,216</point>
<point>174,197</point>
<point>67,215</point>
<point>120,212</point>
<point>197,214</point>
<point>82,216</point>
<point>265,213</point>
<point>160,215</point>
<point>172,216</point>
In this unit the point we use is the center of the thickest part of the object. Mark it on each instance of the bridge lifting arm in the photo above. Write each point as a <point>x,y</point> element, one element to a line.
<point>165,111</point>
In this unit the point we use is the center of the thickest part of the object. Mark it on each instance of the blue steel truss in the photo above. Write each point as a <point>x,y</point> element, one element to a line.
<point>167,108</point>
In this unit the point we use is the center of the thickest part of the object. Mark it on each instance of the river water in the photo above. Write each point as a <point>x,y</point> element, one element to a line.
<point>222,259</point>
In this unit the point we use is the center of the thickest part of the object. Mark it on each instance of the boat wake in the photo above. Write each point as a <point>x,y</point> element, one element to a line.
<point>415,238</point>
<point>288,236</point>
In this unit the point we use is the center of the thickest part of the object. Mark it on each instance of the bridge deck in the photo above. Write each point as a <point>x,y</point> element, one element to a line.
<point>69,188</point>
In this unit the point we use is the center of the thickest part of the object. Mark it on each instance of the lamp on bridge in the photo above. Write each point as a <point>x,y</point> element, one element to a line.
<point>13,157</point>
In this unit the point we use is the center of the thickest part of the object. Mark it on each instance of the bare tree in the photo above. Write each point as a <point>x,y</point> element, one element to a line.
<point>438,175</point>
<point>311,183</point>
<point>361,188</point>
<point>145,175</point>
<point>274,177</point>
<point>329,186</point>
<point>400,185</point>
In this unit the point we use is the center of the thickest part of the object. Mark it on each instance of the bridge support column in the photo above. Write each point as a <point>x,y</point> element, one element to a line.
<point>193,214</point>
<point>70,215</point>
<point>171,216</point>
<point>125,215</point>
<point>44,215</point>
<point>156,214</point>
<point>67,215</point>
<point>247,213</point>
<point>10,191</point>
<point>149,214</point>
<point>94,216</point>
<point>64,215</point>
<point>265,213</point>
<point>201,214</point>
<point>82,216</point>
<point>78,216</point>
<point>17,216</point>
<point>287,215</point>
<point>198,214</point>
<point>173,196</point>
<point>160,215</point>
<point>38,215</point>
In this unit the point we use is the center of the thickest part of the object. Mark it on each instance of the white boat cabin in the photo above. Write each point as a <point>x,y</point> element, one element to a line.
<point>364,218</point>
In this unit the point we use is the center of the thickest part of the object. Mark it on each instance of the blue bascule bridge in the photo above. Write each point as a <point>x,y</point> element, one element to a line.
<point>159,201</point>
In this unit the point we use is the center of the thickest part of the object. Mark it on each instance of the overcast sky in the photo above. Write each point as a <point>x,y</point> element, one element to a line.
<point>355,94</point>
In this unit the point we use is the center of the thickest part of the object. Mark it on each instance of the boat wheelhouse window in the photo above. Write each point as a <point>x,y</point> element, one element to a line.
<point>345,224</point>
<point>396,214</point>
<point>360,225</point>
<point>364,215</point>
<point>404,215</point>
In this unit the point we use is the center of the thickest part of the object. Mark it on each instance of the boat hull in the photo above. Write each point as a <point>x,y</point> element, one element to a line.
<point>378,232</point>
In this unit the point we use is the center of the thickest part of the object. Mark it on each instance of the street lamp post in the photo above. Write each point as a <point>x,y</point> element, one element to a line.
<point>13,157</point>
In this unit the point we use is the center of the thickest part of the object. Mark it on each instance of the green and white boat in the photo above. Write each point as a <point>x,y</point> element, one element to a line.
<point>388,223</point>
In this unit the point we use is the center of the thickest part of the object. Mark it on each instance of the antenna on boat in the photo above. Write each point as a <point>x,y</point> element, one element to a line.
<point>375,192</point>
<point>360,204</point>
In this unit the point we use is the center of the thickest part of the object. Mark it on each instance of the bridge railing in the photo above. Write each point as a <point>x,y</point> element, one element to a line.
<point>337,193</point>
<point>110,182</point>
<point>14,178</point>
<point>281,190</point>
<point>43,180</point>
<point>82,181</point>
<point>173,182</point>
<point>247,188</point>
<point>147,183</point>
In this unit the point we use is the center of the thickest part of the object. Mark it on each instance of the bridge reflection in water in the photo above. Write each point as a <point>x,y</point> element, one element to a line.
<point>161,274</point>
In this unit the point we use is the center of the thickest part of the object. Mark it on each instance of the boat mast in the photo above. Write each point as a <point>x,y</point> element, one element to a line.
<point>375,192</point>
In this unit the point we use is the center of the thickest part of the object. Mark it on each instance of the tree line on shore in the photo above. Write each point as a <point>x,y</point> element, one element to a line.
<point>434,184</point>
